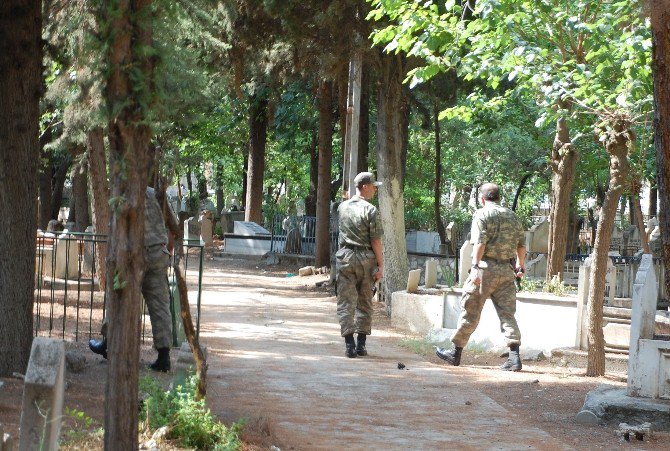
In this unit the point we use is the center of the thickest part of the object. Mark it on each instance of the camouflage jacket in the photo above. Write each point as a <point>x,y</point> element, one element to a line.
<point>154,224</point>
<point>499,229</point>
<point>359,222</point>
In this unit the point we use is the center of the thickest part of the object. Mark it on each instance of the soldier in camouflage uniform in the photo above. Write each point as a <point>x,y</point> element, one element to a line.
<point>497,236</point>
<point>154,285</point>
<point>359,263</point>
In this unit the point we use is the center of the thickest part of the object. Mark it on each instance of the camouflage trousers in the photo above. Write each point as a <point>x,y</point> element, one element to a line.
<point>497,283</point>
<point>156,296</point>
<point>354,290</point>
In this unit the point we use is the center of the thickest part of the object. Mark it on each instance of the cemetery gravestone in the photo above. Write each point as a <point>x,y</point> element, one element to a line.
<point>206,228</point>
<point>67,256</point>
<point>465,261</point>
<point>413,280</point>
<point>539,237</point>
<point>43,392</point>
<point>431,273</point>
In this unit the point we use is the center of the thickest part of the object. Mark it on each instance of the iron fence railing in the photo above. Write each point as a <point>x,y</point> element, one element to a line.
<point>68,301</point>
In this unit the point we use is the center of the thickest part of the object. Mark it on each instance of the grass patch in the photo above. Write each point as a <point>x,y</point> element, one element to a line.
<point>85,433</point>
<point>417,346</point>
<point>189,422</point>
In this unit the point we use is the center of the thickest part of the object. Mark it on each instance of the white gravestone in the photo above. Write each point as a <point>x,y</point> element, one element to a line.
<point>206,228</point>
<point>67,256</point>
<point>431,273</point>
<point>539,237</point>
<point>649,358</point>
<point>413,280</point>
<point>465,261</point>
<point>43,390</point>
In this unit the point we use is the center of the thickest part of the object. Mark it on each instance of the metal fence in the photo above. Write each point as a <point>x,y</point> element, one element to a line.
<point>297,235</point>
<point>68,301</point>
<point>625,271</point>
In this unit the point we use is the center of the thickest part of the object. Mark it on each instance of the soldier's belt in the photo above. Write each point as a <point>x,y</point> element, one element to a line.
<point>355,248</point>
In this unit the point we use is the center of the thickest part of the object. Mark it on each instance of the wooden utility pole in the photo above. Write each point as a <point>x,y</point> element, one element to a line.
<point>353,116</point>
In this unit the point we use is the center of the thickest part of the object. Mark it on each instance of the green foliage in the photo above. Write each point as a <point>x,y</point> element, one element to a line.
<point>190,422</point>
<point>554,286</point>
<point>417,346</point>
<point>85,429</point>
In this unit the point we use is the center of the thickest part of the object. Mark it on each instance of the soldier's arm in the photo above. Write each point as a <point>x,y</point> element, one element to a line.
<point>520,260</point>
<point>379,255</point>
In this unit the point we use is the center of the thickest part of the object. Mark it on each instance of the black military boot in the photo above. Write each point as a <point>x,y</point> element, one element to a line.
<point>99,346</point>
<point>162,363</point>
<point>452,356</point>
<point>360,345</point>
<point>513,362</point>
<point>351,346</point>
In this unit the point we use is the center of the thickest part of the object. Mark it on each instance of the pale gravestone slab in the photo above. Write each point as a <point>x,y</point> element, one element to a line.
<point>617,239</point>
<point>67,257</point>
<point>192,230</point>
<point>247,228</point>
<point>43,392</point>
<point>649,358</point>
<point>89,249</point>
<point>431,273</point>
<point>413,280</point>
<point>207,228</point>
<point>539,237</point>
<point>465,261</point>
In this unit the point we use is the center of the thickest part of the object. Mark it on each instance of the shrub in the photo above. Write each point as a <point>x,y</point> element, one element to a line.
<point>189,422</point>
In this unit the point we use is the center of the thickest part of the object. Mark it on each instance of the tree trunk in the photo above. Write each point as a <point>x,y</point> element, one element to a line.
<point>563,163</point>
<point>617,148</point>
<point>636,212</point>
<point>45,176</point>
<point>258,124</point>
<point>99,188</point>
<point>437,193</point>
<point>21,69</point>
<point>220,201</point>
<point>364,121</point>
<point>653,202</point>
<point>128,37</point>
<point>517,193</point>
<point>57,184</point>
<point>80,197</point>
<point>390,170</point>
<point>342,91</point>
<point>325,163</point>
<point>660,31</point>
<point>313,154</point>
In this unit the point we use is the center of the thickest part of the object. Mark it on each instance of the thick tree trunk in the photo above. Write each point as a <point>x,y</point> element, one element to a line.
<point>21,69</point>
<point>653,202</point>
<point>519,188</point>
<point>258,124</point>
<point>325,163</point>
<point>636,212</point>
<point>313,154</point>
<point>58,183</point>
<point>563,163</point>
<point>45,175</point>
<point>129,30</point>
<point>99,188</point>
<point>437,188</point>
<point>617,148</point>
<point>342,91</point>
<point>80,197</point>
<point>219,188</point>
<point>390,171</point>
<point>660,30</point>
<point>364,121</point>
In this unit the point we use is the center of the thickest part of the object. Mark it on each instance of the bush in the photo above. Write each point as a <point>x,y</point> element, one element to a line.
<point>189,422</point>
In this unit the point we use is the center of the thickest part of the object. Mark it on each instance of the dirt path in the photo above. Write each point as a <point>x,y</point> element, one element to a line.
<point>277,359</point>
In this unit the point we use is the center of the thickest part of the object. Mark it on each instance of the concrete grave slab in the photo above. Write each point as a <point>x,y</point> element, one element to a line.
<point>611,405</point>
<point>43,392</point>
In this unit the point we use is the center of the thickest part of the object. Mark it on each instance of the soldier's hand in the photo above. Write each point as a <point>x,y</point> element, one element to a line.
<point>475,276</point>
<point>379,273</point>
